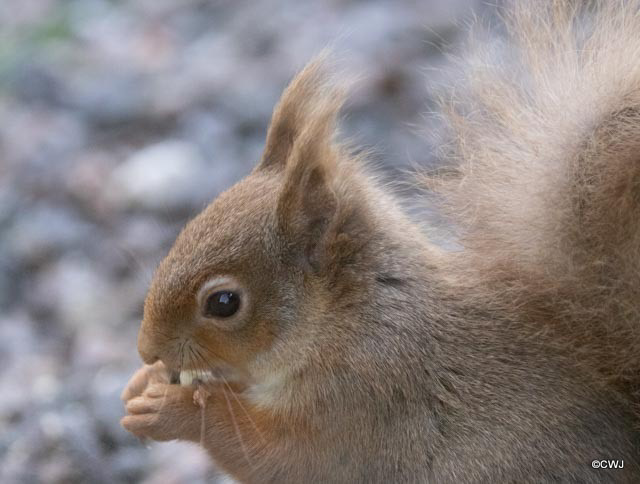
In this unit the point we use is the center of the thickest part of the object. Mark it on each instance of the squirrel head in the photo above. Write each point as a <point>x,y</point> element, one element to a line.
<point>267,266</point>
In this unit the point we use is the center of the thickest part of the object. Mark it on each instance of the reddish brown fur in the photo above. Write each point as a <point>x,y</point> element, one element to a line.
<point>547,197</point>
<point>365,353</point>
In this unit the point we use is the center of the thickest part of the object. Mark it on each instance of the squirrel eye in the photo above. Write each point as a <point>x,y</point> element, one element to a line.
<point>222,304</point>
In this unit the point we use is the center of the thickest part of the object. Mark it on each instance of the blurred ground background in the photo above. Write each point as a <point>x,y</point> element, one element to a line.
<point>119,120</point>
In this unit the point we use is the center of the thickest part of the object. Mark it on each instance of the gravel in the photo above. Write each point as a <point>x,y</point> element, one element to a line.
<point>119,120</point>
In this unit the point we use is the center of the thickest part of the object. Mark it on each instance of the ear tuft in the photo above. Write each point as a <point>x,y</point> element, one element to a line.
<point>308,202</point>
<point>301,150</point>
<point>313,93</point>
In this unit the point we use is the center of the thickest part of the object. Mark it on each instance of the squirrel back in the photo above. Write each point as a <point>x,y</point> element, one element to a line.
<point>544,180</point>
<point>333,342</point>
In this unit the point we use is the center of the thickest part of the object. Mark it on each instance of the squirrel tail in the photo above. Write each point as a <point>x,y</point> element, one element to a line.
<point>544,182</point>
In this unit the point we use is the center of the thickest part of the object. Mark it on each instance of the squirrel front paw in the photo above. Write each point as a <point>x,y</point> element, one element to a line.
<point>141,379</point>
<point>164,412</point>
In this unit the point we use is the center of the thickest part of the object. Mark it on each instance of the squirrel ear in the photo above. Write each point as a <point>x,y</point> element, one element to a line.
<point>311,91</point>
<point>300,148</point>
<point>308,205</point>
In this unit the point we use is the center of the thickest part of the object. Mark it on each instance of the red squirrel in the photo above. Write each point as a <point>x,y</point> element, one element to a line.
<point>304,329</point>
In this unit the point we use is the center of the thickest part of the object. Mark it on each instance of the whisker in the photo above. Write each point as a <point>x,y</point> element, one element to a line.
<point>203,426</point>
<point>253,423</point>
<point>210,353</point>
<point>194,360</point>
<point>237,429</point>
<point>181,354</point>
<point>205,361</point>
<point>197,351</point>
<point>198,357</point>
<point>233,394</point>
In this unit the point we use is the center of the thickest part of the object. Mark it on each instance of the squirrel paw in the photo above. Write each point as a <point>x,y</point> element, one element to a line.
<point>141,379</point>
<point>164,412</point>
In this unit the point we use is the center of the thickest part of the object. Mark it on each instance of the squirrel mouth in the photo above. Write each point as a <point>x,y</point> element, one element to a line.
<point>195,377</point>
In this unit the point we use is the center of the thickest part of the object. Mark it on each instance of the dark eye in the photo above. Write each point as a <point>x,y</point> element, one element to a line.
<point>222,304</point>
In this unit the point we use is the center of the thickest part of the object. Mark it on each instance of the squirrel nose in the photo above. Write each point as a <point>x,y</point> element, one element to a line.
<point>147,353</point>
<point>148,357</point>
<point>149,360</point>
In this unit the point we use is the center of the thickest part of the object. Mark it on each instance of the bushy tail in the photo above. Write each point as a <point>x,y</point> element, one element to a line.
<point>546,192</point>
